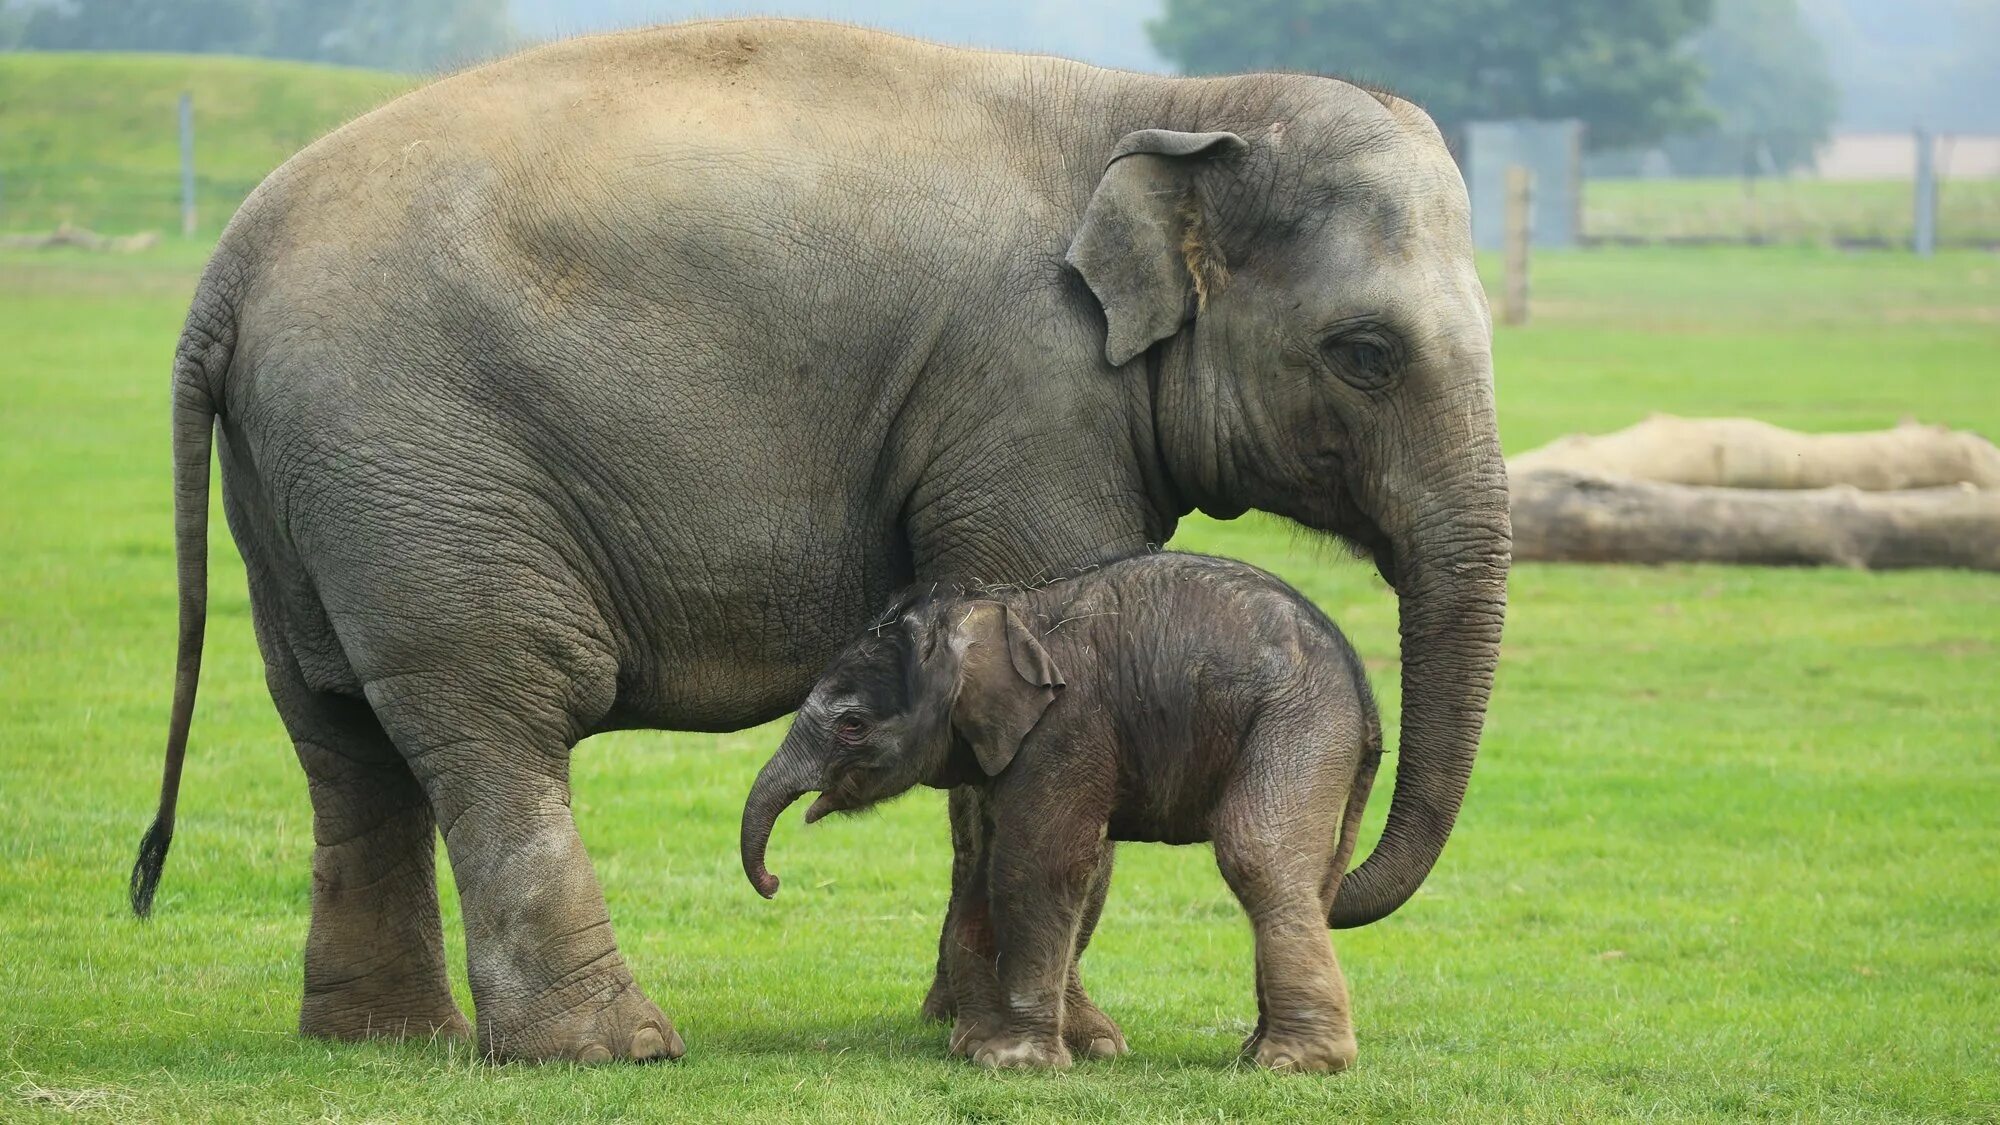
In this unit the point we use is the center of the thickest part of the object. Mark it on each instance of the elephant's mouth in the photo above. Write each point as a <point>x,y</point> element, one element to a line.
<point>1363,536</point>
<point>850,790</point>
<point>1384,554</point>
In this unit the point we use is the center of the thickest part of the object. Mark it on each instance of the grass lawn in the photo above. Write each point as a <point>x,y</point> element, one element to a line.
<point>1732,850</point>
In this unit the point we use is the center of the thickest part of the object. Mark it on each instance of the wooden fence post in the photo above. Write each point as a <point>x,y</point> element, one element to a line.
<point>1923,235</point>
<point>1520,231</point>
<point>187,165</point>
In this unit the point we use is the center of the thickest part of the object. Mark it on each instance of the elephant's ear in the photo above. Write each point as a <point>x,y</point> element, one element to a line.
<point>1142,247</point>
<point>1005,681</point>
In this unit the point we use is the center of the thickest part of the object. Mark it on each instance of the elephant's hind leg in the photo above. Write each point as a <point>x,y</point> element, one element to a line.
<point>374,956</point>
<point>547,978</point>
<point>1274,838</point>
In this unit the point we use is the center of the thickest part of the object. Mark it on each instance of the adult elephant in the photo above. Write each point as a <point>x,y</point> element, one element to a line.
<point>616,383</point>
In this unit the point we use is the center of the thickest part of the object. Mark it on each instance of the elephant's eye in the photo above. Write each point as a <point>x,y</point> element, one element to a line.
<point>1361,360</point>
<point>849,729</point>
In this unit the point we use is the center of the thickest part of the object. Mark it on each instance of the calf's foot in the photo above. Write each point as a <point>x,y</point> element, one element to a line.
<point>939,1005</point>
<point>1088,1032</point>
<point>969,1034</point>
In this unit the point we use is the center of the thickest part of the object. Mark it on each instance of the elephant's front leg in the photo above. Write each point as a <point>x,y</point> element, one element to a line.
<point>1039,882</point>
<point>1087,1031</point>
<point>970,993</point>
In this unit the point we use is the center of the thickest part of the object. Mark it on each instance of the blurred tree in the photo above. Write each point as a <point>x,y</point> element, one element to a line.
<point>13,21</point>
<point>234,26</point>
<point>407,35</point>
<point>1773,97</point>
<point>393,34</point>
<point>1619,65</point>
<point>1900,63</point>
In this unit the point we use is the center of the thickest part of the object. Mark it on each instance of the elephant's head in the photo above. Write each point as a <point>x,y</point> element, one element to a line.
<point>942,691</point>
<point>1301,293</point>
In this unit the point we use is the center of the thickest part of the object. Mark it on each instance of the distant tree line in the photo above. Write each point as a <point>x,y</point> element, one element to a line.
<point>404,35</point>
<point>1724,85</point>
<point>1729,85</point>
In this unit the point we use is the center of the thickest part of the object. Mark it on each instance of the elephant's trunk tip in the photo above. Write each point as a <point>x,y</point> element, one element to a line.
<point>777,787</point>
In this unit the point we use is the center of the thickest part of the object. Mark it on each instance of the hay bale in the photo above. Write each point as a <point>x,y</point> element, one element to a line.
<point>67,235</point>
<point>1742,453</point>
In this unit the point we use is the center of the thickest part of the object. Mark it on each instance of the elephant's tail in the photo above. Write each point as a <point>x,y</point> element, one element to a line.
<point>203,354</point>
<point>1357,797</point>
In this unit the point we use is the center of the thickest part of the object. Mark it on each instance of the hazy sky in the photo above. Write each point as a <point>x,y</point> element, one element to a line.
<point>1105,32</point>
<point>1899,63</point>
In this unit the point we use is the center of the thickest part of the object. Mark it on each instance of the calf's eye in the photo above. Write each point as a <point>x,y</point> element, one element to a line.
<point>848,728</point>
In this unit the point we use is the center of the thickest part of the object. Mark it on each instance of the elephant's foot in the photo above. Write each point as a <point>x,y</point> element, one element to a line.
<point>1301,1054</point>
<point>361,1012</point>
<point>621,1026</point>
<point>1088,1032</point>
<point>1018,1052</point>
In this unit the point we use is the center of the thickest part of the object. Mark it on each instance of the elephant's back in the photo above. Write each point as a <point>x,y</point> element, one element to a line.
<point>651,192</point>
<point>598,122</point>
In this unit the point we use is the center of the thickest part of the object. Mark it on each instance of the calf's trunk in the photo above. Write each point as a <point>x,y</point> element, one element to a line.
<point>788,776</point>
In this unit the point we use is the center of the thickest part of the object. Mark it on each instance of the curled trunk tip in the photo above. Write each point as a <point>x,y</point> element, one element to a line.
<point>783,780</point>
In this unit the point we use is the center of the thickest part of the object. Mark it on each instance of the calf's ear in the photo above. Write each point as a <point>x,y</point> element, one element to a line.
<point>1006,679</point>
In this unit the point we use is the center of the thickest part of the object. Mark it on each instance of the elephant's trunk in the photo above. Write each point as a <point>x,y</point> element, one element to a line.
<point>788,776</point>
<point>1451,581</point>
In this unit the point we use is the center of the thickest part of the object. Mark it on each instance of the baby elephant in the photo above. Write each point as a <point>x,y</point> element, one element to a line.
<point>1167,697</point>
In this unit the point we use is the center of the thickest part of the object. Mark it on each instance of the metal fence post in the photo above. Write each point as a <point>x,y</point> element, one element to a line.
<point>1923,239</point>
<point>187,164</point>
<point>1520,233</point>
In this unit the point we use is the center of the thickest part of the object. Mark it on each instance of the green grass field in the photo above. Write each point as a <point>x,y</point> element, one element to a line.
<point>1732,850</point>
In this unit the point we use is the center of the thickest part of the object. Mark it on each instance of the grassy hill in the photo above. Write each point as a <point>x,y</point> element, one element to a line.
<point>91,137</point>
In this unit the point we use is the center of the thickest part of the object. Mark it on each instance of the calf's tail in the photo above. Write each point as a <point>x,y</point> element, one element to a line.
<point>1357,799</point>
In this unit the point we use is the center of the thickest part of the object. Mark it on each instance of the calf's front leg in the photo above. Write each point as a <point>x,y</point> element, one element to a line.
<point>1039,879</point>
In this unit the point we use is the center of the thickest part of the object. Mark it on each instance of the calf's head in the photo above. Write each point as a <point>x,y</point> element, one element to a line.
<point>940,688</point>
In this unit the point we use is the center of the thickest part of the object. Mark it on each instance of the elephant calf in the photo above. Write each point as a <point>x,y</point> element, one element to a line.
<point>1166,697</point>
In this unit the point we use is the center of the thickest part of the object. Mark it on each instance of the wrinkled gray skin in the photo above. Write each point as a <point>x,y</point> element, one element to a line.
<point>1164,697</point>
<point>614,384</point>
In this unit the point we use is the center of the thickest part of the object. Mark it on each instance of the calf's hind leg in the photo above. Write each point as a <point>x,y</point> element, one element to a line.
<point>1273,846</point>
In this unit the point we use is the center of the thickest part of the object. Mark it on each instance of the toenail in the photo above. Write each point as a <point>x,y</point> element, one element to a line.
<point>647,1043</point>
<point>594,1054</point>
